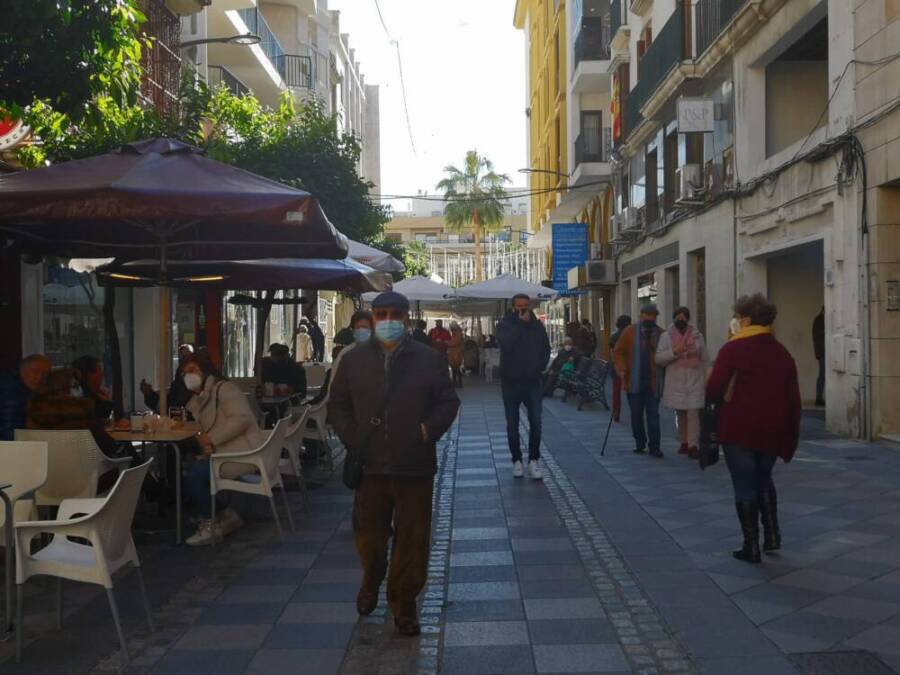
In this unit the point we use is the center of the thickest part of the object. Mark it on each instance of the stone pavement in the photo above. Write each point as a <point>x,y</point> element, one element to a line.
<point>619,564</point>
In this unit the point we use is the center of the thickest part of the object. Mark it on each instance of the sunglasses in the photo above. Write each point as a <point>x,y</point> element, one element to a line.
<point>389,314</point>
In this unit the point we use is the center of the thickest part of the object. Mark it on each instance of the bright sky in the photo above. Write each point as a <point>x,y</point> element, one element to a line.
<point>464,67</point>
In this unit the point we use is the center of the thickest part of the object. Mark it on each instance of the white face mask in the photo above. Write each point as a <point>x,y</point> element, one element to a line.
<point>193,381</point>
<point>76,391</point>
<point>734,326</point>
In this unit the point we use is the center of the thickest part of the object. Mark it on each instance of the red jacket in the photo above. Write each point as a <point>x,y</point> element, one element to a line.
<point>763,413</point>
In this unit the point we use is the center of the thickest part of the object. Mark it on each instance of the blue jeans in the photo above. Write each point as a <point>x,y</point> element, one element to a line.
<point>751,472</point>
<point>644,404</point>
<point>196,486</point>
<point>515,394</point>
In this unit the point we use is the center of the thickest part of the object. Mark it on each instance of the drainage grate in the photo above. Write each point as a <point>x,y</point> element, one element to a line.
<point>840,663</point>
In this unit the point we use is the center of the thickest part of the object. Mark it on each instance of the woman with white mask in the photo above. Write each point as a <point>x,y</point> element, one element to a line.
<point>227,424</point>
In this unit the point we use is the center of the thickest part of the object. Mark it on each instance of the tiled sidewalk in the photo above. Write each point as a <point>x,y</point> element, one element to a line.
<point>618,564</point>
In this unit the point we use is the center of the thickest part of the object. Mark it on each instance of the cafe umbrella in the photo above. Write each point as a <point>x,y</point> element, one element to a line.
<point>162,199</point>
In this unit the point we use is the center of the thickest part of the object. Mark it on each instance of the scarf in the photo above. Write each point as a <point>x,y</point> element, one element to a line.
<point>691,358</point>
<point>751,331</point>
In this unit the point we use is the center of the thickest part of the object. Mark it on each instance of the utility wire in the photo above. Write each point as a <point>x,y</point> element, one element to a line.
<point>396,45</point>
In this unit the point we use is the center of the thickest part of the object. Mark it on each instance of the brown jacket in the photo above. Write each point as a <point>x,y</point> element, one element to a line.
<point>623,357</point>
<point>420,394</point>
<point>455,349</point>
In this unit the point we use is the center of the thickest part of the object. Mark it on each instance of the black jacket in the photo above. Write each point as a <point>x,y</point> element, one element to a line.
<point>420,393</point>
<point>524,348</point>
<point>818,336</point>
<point>13,402</point>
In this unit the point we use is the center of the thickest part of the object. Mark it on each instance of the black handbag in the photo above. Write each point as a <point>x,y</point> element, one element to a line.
<point>355,461</point>
<point>709,435</point>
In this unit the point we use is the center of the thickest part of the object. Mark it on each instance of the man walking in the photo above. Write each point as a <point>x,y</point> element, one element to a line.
<point>391,400</point>
<point>439,337</point>
<point>524,353</point>
<point>635,359</point>
<point>818,336</point>
<point>318,341</point>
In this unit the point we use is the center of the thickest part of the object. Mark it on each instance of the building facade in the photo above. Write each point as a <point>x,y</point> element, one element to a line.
<point>754,151</point>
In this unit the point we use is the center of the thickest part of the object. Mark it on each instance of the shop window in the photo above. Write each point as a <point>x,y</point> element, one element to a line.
<point>647,289</point>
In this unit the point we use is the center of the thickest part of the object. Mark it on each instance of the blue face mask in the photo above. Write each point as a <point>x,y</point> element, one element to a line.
<point>390,331</point>
<point>362,334</point>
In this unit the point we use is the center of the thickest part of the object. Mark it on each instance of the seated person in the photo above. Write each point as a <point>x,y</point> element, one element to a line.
<point>227,424</point>
<point>61,406</point>
<point>566,360</point>
<point>178,395</point>
<point>280,369</point>
<point>90,374</point>
<point>16,389</point>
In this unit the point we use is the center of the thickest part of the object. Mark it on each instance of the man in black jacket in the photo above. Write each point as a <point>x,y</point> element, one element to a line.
<point>524,352</point>
<point>391,399</point>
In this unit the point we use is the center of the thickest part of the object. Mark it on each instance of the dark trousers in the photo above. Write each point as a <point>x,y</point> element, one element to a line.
<point>515,394</point>
<point>751,472</point>
<point>820,381</point>
<point>196,486</point>
<point>644,404</point>
<point>381,500</point>
<point>616,397</point>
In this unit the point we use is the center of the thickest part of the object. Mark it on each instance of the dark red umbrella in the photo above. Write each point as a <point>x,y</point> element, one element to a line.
<point>161,199</point>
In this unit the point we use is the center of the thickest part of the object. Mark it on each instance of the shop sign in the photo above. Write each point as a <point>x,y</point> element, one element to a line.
<point>570,249</point>
<point>12,132</point>
<point>696,115</point>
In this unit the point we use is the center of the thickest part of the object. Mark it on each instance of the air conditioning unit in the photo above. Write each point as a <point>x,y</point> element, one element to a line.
<point>689,187</point>
<point>601,272</point>
<point>631,219</point>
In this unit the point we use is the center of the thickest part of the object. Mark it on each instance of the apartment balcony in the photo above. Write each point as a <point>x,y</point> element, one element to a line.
<point>641,7</point>
<point>160,61</point>
<point>712,16</point>
<point>592,151</point>
<point>220,76</point>
<point>591,56</point>
<point>619,30</point>
<point>296,71</point>
<point>664,55</point>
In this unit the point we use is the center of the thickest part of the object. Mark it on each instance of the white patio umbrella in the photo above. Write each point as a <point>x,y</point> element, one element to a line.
<point>422,293</point>
<point>374,258</point>
<point>505,287</point>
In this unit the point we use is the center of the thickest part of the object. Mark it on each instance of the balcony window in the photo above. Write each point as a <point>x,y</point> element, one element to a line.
<point>160,61</point>
<point>592,144</point>
<point>221,76</point>
<point>257,24</point>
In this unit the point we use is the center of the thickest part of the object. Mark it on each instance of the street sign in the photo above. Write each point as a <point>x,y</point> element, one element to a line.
<point>570,249</point>
<point>696,115</point>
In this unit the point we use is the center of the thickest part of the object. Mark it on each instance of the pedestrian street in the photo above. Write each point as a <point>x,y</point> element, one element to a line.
<point>614,564</point>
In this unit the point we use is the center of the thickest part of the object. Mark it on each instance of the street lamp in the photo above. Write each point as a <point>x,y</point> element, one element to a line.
<point>246,39</point>
<point>550,171</point>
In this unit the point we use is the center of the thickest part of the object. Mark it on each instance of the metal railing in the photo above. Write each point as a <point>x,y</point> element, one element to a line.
<point>257,24</point>
<point>711,18</point>
<point>296,71</point>
<point>592,43</point>
<point>664,54</point>
<point>593,145</point>
<point>160,60</point>
<point>221,76</point>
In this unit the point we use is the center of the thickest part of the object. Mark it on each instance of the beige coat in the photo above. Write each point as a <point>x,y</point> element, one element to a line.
<point>224,414</point>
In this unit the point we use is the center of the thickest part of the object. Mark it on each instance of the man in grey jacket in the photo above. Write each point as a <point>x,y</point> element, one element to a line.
<point>391,399</point>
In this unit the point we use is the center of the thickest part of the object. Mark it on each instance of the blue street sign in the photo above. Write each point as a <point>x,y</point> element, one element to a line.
<point>570,249</point>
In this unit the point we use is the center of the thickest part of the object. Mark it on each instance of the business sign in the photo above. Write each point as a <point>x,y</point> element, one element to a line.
<point>696,115</point>
<point>570,249</point>
<point>12,132</point>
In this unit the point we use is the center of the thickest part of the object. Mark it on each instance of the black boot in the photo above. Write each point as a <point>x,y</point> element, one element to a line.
<point>768,514</point>
<point>748,514</point>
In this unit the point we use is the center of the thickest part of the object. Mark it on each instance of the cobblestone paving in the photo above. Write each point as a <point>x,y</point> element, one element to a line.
<point>617,564</point>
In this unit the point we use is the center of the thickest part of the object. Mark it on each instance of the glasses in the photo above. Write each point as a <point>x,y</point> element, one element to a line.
<point>389,314</point>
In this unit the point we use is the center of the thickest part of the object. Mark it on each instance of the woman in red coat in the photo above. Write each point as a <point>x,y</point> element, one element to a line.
<point>756,378</point>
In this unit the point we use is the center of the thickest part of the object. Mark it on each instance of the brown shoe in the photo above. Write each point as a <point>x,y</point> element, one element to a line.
<point>407,627</point>
<point>366,602</point>
<point>683,450</point>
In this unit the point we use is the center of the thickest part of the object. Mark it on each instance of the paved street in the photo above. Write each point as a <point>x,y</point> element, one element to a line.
<point>618,564</point>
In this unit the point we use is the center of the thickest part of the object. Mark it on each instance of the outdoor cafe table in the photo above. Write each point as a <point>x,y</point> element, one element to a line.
<point>8,530</point>
<point>170,438</point>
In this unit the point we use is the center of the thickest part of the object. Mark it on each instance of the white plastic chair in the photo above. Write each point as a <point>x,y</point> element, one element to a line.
<point>106,524</point>
<point>25,468</point>
<point>74,464</point>
<point>293,443</point>
<point>261,415</point>
<point>266,459</point>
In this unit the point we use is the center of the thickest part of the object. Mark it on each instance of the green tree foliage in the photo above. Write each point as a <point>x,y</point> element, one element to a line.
<point>416,259</point>
<point>475,197</point>
<point>65,52</point>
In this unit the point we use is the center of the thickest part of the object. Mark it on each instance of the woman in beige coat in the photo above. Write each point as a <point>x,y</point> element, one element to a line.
<point>227,424</point>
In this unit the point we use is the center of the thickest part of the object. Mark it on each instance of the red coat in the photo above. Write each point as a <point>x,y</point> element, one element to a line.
<point>763,413</point>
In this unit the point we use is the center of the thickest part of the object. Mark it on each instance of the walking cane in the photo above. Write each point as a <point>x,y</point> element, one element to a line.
<point>606,438</point>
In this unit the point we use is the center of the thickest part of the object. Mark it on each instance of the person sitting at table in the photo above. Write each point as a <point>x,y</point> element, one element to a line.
<point>61,406</point>
<point>16,389</point>
<point>227,424</point>
<point>90,375</point>
<point>569,354</point>
<point>178,394</point>
<point>280,369</point>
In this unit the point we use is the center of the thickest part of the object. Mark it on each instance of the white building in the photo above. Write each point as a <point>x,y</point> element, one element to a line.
<point>779,176</point>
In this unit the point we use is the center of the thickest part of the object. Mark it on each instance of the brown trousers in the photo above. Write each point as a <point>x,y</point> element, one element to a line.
<point>406,502</point>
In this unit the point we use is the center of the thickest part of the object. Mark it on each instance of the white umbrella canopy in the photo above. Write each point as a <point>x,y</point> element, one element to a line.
<point>422,293</point>
<point>374,258</point>
<point>505,287</point>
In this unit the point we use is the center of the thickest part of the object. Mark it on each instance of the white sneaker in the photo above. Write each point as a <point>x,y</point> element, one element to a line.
<point>534,470</point>
<point>518,471</point>
<point>229,521</point>
<point>205,534</point>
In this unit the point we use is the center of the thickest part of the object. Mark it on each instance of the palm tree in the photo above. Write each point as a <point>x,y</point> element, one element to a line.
<point>475,198</point>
